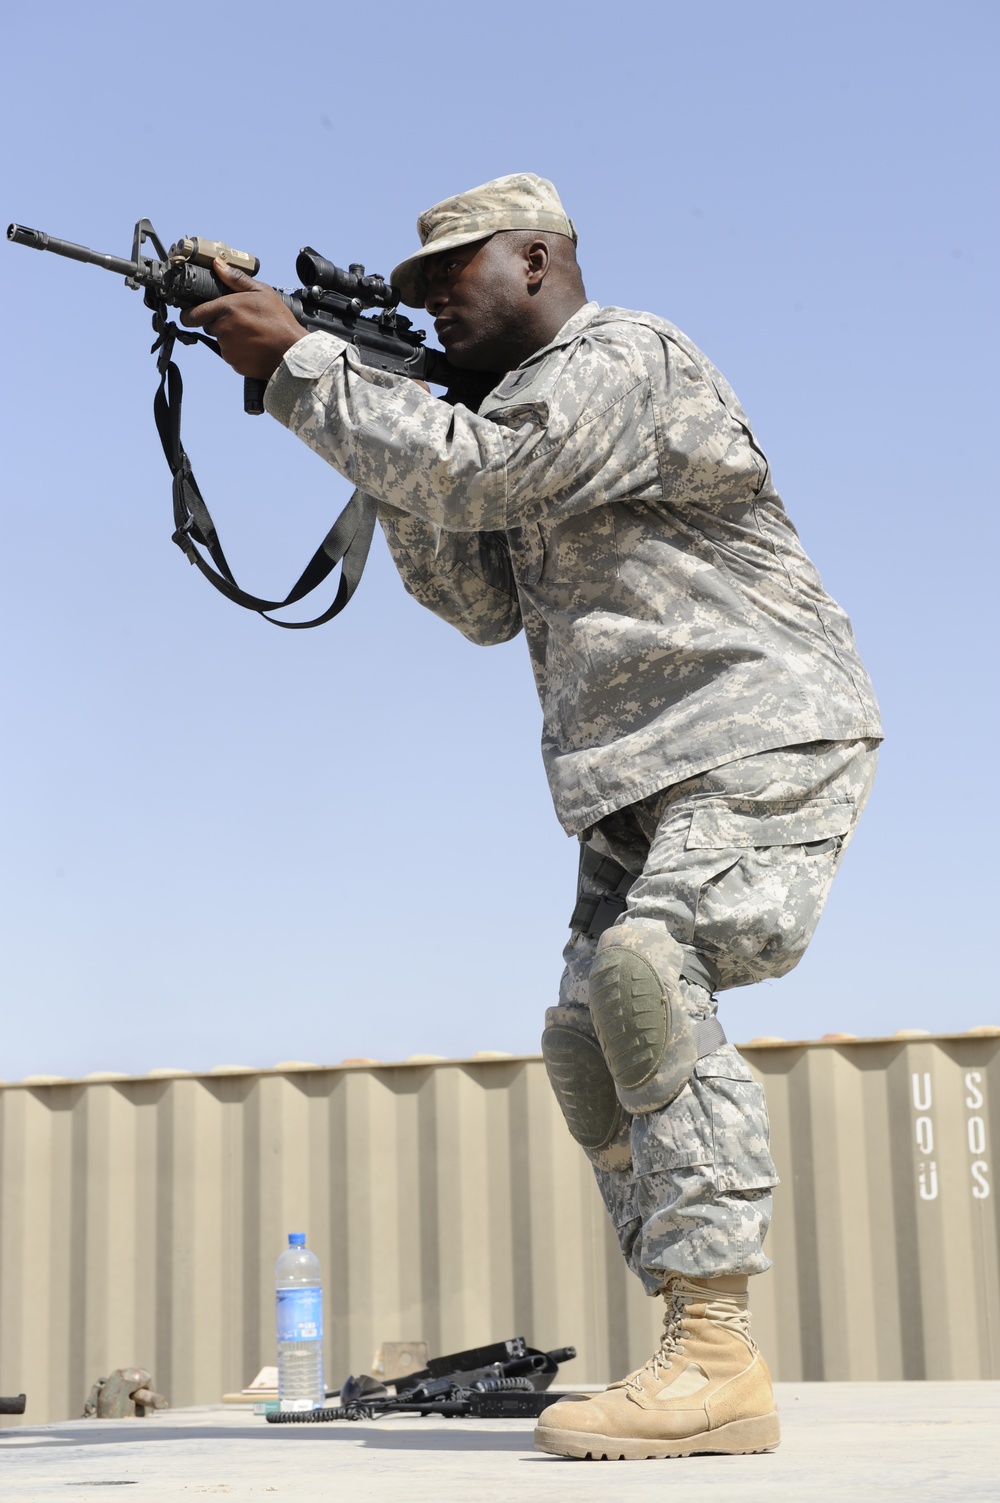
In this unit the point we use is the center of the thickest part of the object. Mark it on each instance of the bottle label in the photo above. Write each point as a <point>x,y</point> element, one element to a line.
<point>300,1314</point>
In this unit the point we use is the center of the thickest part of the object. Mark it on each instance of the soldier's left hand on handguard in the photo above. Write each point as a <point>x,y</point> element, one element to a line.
<point>252,325</point>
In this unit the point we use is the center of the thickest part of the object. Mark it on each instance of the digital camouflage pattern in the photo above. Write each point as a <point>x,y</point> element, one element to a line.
<point>688,1187</point>
<point>737,862</point>
<point>611,497</point>
<point>706,719</point>
<point>519,201</point>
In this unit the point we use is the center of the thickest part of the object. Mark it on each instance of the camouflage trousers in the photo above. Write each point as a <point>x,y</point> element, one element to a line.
<point>736,864</point>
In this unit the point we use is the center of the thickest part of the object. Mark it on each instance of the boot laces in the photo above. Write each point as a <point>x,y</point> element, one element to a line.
<point>724,1310</point>
<point>671,1339</point>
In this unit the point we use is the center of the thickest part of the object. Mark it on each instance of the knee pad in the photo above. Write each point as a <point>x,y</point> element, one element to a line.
<point>581,1080</point>
<point>643,1029</point>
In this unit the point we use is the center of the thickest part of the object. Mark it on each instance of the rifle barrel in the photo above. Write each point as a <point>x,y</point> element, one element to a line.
<point>39,240</point>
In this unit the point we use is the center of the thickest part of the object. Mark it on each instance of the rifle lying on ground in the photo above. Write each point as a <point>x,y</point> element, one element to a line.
<point>506,1380</point>
<point>332,300</point>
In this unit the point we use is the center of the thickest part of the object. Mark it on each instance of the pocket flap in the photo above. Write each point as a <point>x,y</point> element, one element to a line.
<point>719,827</point>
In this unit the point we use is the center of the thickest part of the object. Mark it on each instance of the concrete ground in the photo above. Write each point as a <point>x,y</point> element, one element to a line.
<point>850,1441</point>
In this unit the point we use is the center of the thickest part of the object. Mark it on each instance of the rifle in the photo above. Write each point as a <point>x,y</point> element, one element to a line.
<point>332,300</point>
<point>506,1380</point>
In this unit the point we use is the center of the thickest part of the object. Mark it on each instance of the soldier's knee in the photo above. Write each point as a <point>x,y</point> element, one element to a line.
<point>645,1034</point>
<point>582,1084</point>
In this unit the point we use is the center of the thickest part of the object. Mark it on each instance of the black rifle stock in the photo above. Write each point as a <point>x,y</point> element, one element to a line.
<point>333,301</point>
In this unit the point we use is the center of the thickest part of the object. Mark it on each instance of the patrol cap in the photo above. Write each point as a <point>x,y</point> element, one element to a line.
<point>519,201</point>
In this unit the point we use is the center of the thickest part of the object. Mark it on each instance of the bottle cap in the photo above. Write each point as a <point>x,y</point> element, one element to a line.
<point>296,1239</point>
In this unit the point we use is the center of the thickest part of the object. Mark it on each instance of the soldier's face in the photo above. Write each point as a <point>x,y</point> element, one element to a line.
<point>478,296</point>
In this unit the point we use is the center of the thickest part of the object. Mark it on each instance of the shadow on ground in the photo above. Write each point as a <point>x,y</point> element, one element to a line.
<point>345,1433</point>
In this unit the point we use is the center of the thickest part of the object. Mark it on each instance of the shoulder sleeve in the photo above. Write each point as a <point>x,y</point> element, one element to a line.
<point>569,438</point>
<point>709,459</point>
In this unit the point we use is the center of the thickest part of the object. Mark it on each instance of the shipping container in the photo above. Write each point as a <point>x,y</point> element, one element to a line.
<point>140,1218</point>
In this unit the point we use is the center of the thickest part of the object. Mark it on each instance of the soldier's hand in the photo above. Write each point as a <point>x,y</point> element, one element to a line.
<point>252,324</point>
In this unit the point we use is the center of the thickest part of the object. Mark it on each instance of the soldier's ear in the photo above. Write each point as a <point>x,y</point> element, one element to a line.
<point>537,259</point>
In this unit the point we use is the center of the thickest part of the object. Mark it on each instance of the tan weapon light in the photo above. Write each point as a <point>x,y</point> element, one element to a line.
<point>204,252</point>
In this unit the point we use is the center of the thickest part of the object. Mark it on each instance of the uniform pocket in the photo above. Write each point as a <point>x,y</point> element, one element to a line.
<point>719,826</point>
<point>756,912</point>
<point>741,1129</point>
<point>718,1124</point>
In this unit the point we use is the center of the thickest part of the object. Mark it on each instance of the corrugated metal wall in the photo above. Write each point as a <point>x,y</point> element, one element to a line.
<point>139,1219</point>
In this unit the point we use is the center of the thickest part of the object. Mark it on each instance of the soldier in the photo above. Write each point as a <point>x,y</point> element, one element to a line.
<point>709,733</point>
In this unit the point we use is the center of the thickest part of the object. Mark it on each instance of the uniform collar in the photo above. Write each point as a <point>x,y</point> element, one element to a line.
<point>570,329</point>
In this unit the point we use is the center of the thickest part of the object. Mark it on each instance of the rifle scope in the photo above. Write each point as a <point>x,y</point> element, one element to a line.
<point>314,270</point>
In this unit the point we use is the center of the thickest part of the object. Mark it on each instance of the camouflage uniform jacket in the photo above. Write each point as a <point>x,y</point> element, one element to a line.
<point>610,496</point>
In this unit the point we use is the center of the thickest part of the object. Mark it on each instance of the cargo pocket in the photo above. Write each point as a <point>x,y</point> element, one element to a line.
<point>717,1128</point>
<point>756,913</point>
<point>740,1127</point>
<point>716,825</point>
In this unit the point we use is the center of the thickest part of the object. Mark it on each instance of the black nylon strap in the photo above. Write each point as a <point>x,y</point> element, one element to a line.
<point>347,543</point>
<point>595,912</point>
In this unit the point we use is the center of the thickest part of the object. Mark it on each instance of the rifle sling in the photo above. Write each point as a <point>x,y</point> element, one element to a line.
<point>347,543</point>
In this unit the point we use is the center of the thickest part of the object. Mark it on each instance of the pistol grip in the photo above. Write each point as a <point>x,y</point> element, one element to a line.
<point>253,395</point>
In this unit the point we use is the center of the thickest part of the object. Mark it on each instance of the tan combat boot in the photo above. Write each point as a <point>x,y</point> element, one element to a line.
<point>706,1388</point>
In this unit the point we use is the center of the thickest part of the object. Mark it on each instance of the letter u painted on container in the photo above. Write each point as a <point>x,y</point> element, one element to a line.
<point>922,1095</point>
<point>927,1179</point>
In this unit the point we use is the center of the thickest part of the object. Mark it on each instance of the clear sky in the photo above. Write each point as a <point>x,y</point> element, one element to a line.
<point>229,844</point>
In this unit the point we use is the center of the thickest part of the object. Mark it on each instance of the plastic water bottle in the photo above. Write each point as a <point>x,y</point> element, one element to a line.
<point>298,1299</point>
